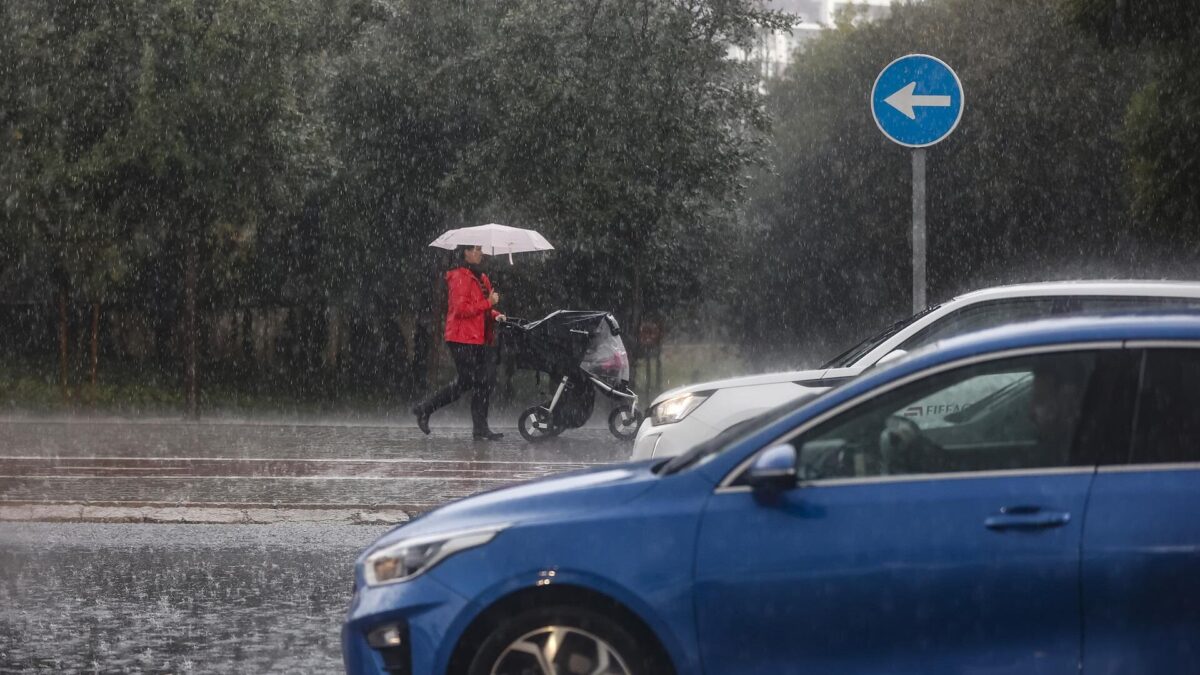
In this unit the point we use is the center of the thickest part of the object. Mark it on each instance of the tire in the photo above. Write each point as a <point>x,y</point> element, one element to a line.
<point>584,639</point>
<point>536,425</point>
<point>624,421</point>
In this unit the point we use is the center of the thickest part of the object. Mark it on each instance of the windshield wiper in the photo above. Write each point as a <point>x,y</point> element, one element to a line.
<point>848,357</point>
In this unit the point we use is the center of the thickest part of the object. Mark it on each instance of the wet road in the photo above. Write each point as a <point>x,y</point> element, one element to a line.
<point>147,598</point>
<point>185,468</point>
<point>104,597</point>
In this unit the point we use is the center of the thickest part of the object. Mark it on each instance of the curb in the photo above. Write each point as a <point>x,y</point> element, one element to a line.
<point>81,513</point>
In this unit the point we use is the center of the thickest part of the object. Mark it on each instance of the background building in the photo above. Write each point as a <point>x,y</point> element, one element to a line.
<point>774,49</point>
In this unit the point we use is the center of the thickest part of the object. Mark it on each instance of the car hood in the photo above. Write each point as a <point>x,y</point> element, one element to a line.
<point>545,499</point>
<point>811,378</point>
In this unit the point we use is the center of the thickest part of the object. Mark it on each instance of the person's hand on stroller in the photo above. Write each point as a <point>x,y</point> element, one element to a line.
<point>494,298</point>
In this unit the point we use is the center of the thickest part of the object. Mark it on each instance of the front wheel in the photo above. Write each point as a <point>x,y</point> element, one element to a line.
<point>624,421</point>
<point>537,424</point>
<point>561,641</point>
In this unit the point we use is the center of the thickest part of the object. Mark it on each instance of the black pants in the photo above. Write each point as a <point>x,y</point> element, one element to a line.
<point>476,366</point>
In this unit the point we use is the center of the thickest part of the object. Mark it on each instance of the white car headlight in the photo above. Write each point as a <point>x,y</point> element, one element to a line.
<point>674,409</point>
<point>409,557</point>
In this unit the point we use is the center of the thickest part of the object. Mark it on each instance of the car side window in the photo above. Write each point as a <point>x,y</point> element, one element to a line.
<point>1001,312</point>
<point>966,399</point>
<point>1167,427</point>
<point>1016,413</point>
<point>983,316</point>
<point>1113,304</point>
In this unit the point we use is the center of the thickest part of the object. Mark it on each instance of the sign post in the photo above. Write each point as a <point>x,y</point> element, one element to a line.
<point>917,101</point>
<point>918,236</point>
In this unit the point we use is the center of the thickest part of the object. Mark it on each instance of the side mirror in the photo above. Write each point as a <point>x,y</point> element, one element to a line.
<point>774,470</point>
<point>891,356</point>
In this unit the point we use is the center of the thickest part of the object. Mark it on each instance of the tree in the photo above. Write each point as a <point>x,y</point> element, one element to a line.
<point>216,145</point>
<point>66,88</point>
<point>1162,130</point>
<point>404,110</point>
<point>622,130</point>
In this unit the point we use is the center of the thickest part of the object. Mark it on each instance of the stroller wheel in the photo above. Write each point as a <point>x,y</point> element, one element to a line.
<point>535,424</point>
<point>623,422</point>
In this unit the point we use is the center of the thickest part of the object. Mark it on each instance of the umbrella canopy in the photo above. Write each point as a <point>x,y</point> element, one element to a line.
<point>495,239</point>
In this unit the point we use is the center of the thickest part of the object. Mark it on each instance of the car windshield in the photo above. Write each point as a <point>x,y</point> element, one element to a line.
<point>717,444</point>
<point>852,355</point>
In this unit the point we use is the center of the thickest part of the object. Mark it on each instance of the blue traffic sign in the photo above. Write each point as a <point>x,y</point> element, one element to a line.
<point>917,100</point>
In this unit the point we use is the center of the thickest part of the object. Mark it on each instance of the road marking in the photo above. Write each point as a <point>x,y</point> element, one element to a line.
<point>61,458</point>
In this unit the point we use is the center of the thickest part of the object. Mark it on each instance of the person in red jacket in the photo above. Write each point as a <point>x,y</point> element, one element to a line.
<point>470,334</point>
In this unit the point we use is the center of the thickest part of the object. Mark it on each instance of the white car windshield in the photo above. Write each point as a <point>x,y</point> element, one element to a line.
<point>852,355</point>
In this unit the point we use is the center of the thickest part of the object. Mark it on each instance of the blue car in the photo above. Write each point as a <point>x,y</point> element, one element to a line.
<point>1025,500</point>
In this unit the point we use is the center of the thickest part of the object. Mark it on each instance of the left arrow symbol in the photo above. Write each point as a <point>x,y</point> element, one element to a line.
<point>905,100</point>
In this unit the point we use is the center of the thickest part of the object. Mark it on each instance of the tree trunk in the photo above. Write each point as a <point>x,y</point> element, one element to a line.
<point>63,341</point>
<point>165,309</point>
<point>333,341</point>
<point>248,354</point>
<point>189,299</point>
<point>424,346</point>
<point>312,336</point>
<point>95,352</point>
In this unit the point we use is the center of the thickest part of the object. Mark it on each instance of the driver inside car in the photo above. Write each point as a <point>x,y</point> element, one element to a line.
<point>1056,403</point>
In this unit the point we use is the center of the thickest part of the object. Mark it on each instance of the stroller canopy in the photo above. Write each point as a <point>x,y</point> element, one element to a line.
<point>569,339</point>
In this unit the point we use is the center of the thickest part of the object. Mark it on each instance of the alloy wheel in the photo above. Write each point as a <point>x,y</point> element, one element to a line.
<point>559,650</point>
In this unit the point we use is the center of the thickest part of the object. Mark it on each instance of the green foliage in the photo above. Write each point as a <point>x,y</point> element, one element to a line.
<point>1162,128</point>
<point>58,136</point>
<point>624,132</point>
<point>619,129</point>
<point>1154,21</point>
<point>401,115</point>
<point>314,149</point>
<point>135,122</point>
<point>1162,135</point>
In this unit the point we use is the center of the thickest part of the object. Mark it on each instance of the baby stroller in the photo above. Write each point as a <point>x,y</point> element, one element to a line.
<point>582,352</point>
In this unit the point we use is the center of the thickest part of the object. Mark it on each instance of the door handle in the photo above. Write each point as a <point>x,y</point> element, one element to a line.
<point>1026,518</point>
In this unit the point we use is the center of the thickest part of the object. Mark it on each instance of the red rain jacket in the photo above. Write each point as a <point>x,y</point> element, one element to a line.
<point>470,316</point>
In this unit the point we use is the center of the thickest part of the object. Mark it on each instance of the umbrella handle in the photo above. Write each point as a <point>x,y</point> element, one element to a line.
<point>510,258</point>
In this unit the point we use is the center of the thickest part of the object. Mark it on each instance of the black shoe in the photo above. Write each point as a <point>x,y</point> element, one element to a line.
<point>486,435</point>
<point>422,420</point>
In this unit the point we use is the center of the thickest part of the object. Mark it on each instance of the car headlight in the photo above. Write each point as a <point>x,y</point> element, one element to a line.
<point>674,409</point>
<point>407,558</point>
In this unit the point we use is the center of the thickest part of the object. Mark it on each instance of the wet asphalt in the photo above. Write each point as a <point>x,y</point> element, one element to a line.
<point>139,597</point>
<point>147,598</point>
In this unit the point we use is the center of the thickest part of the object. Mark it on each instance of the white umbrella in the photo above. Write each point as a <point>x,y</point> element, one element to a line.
<point>495,239</point>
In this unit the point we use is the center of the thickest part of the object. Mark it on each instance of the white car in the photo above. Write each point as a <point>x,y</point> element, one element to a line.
<point>683,417</point>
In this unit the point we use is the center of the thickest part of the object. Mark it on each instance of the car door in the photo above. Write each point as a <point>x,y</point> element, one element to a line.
<point>1141,544</point>
<point>896,554</point>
